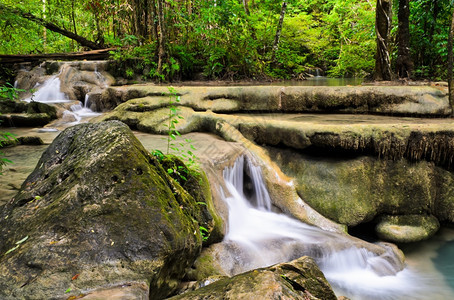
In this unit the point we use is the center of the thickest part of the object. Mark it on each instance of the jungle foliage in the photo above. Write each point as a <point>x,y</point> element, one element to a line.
<point>224,39</point>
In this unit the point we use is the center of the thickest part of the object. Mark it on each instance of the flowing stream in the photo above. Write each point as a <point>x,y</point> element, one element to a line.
<point>260,237</point>
<point>50,92</point>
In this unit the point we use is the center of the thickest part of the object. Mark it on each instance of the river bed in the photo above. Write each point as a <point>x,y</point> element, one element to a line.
<point>432,260</point>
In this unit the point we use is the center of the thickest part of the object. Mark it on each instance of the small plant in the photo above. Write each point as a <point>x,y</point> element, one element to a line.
<point>5,137</point>
<point>204,233</point>
<point>129,73</point>
<point>9,92</point>
<point>174,117</point>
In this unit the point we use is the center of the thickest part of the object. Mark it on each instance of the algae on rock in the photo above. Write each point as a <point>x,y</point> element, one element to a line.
<point>100,206</point>
<point>298,279</point>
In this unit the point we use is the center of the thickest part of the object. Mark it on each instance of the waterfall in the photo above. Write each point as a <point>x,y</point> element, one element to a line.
<point>82,110</point>
<point>49,92</point>
<point>258,237</point>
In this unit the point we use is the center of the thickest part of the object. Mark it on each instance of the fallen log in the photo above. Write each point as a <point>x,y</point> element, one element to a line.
<point>85,55</point>
<point>53,27</point>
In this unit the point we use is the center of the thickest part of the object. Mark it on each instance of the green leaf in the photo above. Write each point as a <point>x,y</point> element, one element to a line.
<point>22,240</point>
<point>12,249</point>
<point>68,290</point>
<point>170,171</point>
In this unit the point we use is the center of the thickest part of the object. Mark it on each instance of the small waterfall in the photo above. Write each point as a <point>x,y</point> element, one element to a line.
<point>49,92</point>
<point>100,77</point>
<point>258,237</point>
<point>82,110</point>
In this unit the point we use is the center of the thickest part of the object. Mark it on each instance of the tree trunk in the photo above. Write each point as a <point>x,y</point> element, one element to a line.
<point>161,40</point>
<point>404,63</point>
<point>154,21</point>
<point>277,37</point>
<point>81,40</point>
<point>450,63</point>
<point>382,29</point>
<point>99,54</point>
<point>246,7</point>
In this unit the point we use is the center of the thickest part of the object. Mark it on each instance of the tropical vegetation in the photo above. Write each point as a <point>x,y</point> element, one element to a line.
<point>229,39</point>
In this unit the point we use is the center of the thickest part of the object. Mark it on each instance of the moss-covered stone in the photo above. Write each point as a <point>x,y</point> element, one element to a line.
<point>353,190</point>
<point>98,205</point>
<point>409,100</point>
<point>21,114</point>
<point>298,279</point>
<point>407,228</point>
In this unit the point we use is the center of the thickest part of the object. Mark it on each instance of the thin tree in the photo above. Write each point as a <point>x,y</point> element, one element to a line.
<point>450,63</point>
<point>277,37</point>
<point>382,29</point>
<point>404,64</point>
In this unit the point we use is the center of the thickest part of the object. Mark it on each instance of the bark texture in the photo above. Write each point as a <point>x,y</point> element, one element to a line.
<point>382,29</point>
<point>404,63</point>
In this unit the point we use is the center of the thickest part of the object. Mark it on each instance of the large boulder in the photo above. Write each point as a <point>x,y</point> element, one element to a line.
<point>298,279</point>
<point>357,189</point>
<point>98,211</point>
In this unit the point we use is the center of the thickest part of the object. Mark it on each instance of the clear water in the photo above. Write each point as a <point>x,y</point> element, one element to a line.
<point>444,262</point>
<point>258,237</point>
<point>320,81</point>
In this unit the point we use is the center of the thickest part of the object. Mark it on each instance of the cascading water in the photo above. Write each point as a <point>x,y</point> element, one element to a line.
<point>49,92</point>
<point>258,237</point>
<point>83,111</point>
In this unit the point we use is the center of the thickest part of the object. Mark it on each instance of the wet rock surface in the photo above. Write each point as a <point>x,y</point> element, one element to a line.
<point>357,189</point>
<point>298,279</point>
<point>97,211</point>
<point>21,114</point>
<point>407,100</point>
<point>407,228</point>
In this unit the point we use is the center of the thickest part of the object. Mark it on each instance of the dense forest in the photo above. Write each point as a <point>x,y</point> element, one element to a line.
<point>234,39</point>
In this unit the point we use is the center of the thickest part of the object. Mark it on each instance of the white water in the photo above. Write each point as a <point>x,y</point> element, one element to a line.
<point>258,237</point>
<point>84,110</point>
<point>49,92</point>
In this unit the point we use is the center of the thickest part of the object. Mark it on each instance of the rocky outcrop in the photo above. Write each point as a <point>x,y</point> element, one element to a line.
<point>78,79</point>
<point>385,137</point>
<point>403,100</point>
<point>21,114</point>
<point>298,279</point>
<point>352,190</point>
<point>407,228</point>
<point>98,212</point>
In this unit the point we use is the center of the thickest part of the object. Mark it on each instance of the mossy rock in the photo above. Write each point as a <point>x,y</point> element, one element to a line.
<point>98,206</point>
<point>298,279</point>
<point>407,228</point>
<point>21,114</point>
<point>356,189</point>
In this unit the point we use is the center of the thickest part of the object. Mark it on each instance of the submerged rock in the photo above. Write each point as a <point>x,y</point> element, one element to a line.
<point>407,228</point>
<point>298,279</point>
<point>98,211</point>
